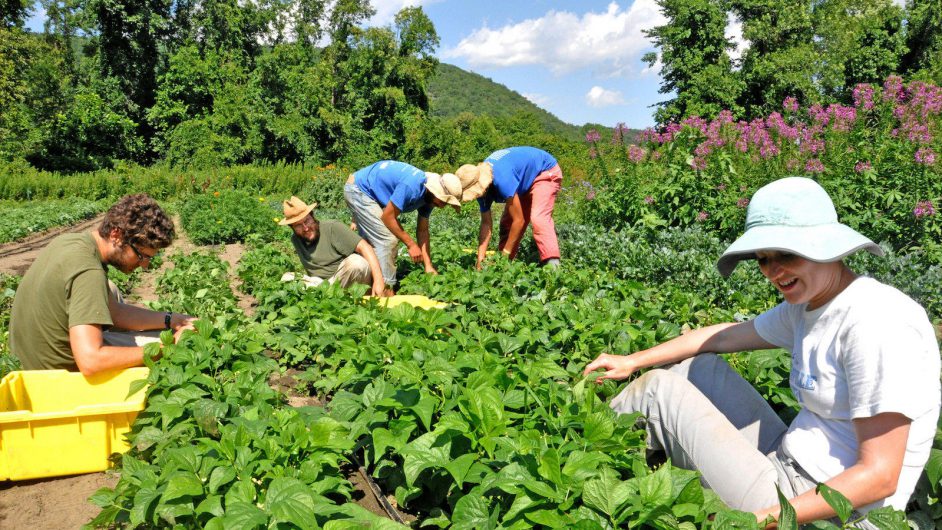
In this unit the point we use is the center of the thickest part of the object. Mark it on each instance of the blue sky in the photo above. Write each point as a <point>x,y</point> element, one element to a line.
<point>580,60</point>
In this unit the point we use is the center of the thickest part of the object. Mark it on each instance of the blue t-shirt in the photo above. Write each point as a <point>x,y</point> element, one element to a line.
<point>396,182</point>
<point>515,169</point>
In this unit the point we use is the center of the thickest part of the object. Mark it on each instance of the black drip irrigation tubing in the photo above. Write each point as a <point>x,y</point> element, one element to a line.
<point>390,510</point>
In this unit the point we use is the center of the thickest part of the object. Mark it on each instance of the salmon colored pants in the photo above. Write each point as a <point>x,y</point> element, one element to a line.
<point>537,204</point>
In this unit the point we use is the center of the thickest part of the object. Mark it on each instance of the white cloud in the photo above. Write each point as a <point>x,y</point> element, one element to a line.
<point>600,97</point>
<point>540,100</point>
<point>386,10</point>
<point>734,33</point>
<point>610,41</point>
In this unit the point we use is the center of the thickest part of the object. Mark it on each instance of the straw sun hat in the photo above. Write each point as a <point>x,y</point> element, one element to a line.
<point>474,180</point>
<point>295,210</point>
<point>794,215</point>
<point>447,188</point>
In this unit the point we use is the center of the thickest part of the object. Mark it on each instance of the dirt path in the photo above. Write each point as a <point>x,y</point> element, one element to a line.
<point>16,256</point>
<point>54,504</point>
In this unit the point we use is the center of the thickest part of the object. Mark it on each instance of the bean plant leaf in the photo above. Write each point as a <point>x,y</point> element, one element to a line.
<point>842,506</point>
<point>220,476</point>
<point>934,467</point>
<point>424,410</point>
<point>243,516</point>
<point>459,467</point>
<point>787,519</point>
<point>182,484</point>
<point>581,465</point>
<point>607,493</point>
<point>471,513</point>
<point>144,504</point>
<point>886,518</point>
<point>290,501</point>
<point>733,519</point>
<point>212,504</point>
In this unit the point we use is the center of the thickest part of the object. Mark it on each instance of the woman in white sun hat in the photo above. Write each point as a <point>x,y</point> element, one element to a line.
<point>378,193</point>
<point>865,370</point>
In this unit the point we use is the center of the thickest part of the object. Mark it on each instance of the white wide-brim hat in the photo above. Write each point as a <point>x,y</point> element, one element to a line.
<point>794,215</point>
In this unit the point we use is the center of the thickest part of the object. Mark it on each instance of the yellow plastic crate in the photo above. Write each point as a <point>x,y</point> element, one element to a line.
<point>415,300</point>
<point>55,422</point>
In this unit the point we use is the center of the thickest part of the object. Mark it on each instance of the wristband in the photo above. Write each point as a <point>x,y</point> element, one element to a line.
<point>167,317</point>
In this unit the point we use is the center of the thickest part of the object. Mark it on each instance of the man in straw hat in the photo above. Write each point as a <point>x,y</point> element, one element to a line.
<point>378,193</point>
<point>864,370</point>
<point>329,251</point>
<point>67,315</point>
<point>528,180</point>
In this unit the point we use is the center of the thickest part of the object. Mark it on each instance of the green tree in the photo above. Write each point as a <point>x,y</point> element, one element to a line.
<point>13,13</point>
<point>858,41</point>
<point>781,59</point>
<point>923,40</point>
<point>696,66</point>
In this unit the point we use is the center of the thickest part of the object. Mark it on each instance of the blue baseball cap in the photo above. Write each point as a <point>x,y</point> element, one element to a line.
<point>794,215</point>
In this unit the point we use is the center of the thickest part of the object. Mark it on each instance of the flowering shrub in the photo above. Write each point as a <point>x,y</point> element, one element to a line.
<point>878,160</point>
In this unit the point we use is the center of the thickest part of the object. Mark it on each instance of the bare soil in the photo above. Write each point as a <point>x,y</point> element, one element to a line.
<point>56,503</point>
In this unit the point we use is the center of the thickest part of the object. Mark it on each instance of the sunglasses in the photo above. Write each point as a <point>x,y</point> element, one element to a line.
<point>141,257</point>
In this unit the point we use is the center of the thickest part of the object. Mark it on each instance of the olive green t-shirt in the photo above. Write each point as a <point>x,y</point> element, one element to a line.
<point>66,286</point>
<point>334,244</point>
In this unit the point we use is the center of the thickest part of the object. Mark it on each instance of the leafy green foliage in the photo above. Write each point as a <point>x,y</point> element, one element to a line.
<point>8,284</point>
<point>227,216</point>
<point>22,219</point>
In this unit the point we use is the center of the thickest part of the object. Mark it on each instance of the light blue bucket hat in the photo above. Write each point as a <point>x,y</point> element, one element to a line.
<point>794,215</point>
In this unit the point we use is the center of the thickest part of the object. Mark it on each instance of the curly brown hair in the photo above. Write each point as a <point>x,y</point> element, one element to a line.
<point>140,220</point>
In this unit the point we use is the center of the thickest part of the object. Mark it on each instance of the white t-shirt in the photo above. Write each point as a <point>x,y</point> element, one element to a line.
<point>869,350</point>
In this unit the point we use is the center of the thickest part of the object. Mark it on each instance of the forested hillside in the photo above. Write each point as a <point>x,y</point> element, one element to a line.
<point>453,91</point>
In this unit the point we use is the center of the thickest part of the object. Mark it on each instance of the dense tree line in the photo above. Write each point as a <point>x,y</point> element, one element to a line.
<point>209,82</point>
<point>814,51</point>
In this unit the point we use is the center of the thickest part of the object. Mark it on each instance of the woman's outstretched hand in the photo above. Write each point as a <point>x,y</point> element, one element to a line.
<point>616,367</point>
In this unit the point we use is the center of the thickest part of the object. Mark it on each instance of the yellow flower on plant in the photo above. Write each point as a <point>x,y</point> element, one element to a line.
<point>276,219</point>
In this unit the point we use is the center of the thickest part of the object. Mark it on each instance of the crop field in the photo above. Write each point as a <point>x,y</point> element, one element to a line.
<point>476,415</point>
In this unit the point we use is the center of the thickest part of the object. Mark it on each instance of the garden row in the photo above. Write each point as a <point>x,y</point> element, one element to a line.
<point>474,416</point>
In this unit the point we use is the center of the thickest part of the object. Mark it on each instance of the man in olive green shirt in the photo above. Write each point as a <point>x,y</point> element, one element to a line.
<point>329,251</point>
<point>63,308</point>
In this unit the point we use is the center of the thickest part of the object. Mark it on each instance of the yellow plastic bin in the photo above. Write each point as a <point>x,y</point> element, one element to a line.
<point>415,300</point>
<point>55,422</point>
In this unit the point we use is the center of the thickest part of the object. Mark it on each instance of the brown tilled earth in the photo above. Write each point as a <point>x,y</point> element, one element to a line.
<point>61,502</point>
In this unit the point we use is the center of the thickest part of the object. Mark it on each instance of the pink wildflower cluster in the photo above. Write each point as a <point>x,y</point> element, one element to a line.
<point>862,166</point>
<point>667,135</point>
<point>702,216</point>
<point>635,153</point>
<point>699,163</point>
<point>742,202</point>
<point>863,96</point>
<point>649,200</point>
<point>618,133</point>
<point>923,209</point>
<point>814,166</point>
<point>925,156</point>
<point>592,136</point>
<point>893,89</point>
<point>790,104</point>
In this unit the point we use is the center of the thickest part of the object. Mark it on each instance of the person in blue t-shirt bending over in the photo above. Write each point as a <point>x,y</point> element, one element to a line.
<point>378,193</point>
<point>528,180</point>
